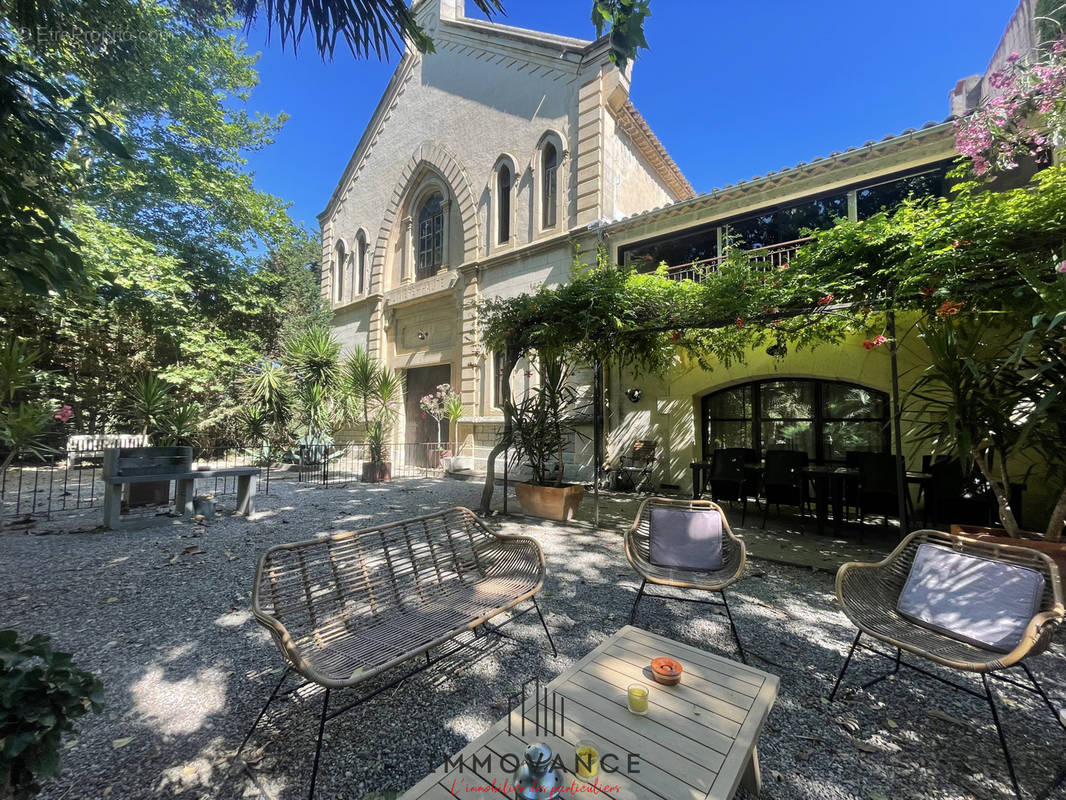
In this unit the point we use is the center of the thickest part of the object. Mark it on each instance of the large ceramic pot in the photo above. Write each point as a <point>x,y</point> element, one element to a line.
<point>377,471</point>
<point>551,502</point>
<point>1032,539</point>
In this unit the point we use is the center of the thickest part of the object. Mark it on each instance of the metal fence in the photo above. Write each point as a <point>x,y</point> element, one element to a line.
<point>68,481</point>
<point>347,463</point>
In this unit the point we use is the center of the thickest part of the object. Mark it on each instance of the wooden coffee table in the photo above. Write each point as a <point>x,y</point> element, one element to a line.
<point>697,741</point>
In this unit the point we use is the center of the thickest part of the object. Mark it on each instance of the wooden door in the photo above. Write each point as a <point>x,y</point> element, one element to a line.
<point>422,430</point>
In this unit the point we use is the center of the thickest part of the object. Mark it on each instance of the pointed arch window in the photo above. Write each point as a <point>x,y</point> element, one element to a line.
<point>430,236</point>
<point>549,186</point>
<point>360,250</point>
<point>503,204</point>
<point>338,271</point>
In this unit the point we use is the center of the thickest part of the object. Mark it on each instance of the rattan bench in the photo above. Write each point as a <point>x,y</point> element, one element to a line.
<point>346,607</point>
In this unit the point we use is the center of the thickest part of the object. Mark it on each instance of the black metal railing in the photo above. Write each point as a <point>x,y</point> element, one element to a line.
<point>70,480</point>
<point>347,463</point>
<point>764,259</point>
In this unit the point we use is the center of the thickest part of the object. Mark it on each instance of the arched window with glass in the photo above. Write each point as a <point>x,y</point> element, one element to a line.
<point>549,186</point>
<point>503,204</point>
<point>824,418</point>
<point>360,254</point>
<point>338,271</point>
<point>430,236</point>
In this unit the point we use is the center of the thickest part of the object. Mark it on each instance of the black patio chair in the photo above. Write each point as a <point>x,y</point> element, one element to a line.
<point>955,495</point>
<point>783,480</point>
<point>853,460</point>
<point>878,486</point>
<point>729,477</point>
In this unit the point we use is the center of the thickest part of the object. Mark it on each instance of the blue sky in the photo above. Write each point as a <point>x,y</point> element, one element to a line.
<point>732,89</point>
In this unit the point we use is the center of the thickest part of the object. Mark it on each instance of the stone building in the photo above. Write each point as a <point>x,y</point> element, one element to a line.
<point>482,167</point>
<point>488,162</point>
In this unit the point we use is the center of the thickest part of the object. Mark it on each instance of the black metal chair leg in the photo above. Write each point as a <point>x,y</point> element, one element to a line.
<point>843,669</point>
<point>733,627</point>
<point>1002,736</point>
<point>270,700</point>
<point>744,511</point>
<point>1040,690</point>
<point>765,513</point>
<point>318,746</point>
<point>640,594</point>
<point>545,626</point>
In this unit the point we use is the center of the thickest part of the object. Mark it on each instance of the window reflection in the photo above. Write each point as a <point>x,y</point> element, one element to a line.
<point>825,419</point>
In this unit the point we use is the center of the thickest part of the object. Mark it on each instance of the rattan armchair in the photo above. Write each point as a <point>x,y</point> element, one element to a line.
<point>869,594</point>
<point>638,553</point>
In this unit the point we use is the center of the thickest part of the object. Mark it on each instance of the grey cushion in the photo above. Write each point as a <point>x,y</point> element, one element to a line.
<point>978,600</point>
<point>686,539</point>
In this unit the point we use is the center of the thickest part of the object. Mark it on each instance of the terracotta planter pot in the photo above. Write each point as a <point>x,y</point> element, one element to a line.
<point>551,502</point>
<point>1031,539</point>
<point>377,471</point>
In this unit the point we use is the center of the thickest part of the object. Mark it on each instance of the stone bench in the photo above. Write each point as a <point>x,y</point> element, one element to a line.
<point>134,465</point>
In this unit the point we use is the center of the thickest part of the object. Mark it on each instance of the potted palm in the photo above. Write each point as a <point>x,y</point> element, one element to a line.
<point>541,431</point>
<point>375,392</point>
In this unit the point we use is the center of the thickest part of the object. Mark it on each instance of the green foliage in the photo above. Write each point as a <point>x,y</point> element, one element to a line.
<point>26,421</point>
<point>41,694</point>
<point>985,270</point>
<point>541,429</point>
<point>649,322</point>
<point>379,27</point>
<point>160,223</point>
<point>624,21</point>
<point>41,115</point>
<point>366,26</point>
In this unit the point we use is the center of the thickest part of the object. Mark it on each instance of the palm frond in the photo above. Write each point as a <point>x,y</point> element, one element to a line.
<point>367,27</point>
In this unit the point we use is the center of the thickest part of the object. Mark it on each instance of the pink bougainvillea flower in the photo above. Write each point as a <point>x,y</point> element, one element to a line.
<point>825,300</point>
<point>1061,268</point>
<point>64,414</point>
<point>879,340</point>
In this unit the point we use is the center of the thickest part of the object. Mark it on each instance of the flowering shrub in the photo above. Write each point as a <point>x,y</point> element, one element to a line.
<point>1026,119</point>
<point>444,403</point>
<point>64,414</point>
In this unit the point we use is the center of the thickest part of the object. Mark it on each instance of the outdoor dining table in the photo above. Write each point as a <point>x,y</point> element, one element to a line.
<point>701,472</point>
<point>828,482</point>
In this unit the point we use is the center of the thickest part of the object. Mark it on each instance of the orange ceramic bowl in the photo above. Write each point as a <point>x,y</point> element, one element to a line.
<point>666,671</point>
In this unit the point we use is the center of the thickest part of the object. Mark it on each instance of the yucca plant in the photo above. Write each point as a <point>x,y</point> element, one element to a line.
<point>148,402</point>
<point>976,399</point>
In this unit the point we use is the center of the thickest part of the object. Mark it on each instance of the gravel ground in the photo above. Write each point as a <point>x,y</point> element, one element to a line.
<point>161,615</point>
